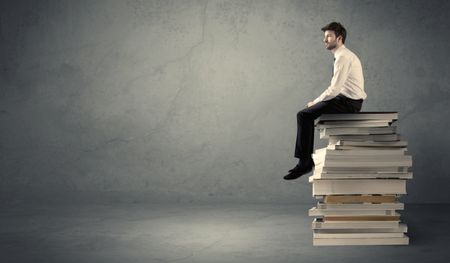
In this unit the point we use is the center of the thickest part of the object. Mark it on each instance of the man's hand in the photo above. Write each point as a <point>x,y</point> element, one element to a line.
<point>310,104</point>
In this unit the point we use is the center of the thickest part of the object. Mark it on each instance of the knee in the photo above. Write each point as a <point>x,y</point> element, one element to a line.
<point>303,114</point>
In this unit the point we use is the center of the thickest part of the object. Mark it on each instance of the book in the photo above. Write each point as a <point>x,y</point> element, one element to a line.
<point>358,116</point>
<point>359,186</point>
<point>372,152</point>
<point>400,228</point>
<point>361,241</point>
<point>345,124</point>
<point>372,143</point>
<point>347,212</point>
<point>319,168</point>
<point>333,139</point>
<point>360,206</point>
<point>362,157</point>
<point>369,175</point>
<point>319,223</point>
<point>362,218</point>
<point>326,132</point>
<point>317,234</point>
<point>364,147</point>
<point>351,199</point>
<point>342,161</point>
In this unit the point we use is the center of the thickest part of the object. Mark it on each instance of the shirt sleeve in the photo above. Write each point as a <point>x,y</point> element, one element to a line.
<point>340,75</point>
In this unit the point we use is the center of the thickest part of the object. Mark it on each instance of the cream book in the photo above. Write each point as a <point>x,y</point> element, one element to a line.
<point>344,161</point>
<point>401,228</point>
<point>356,152</point>
<point>360,206</point>
<point>317,234</point>
<point>318,223</point>
<point>393,175</point>
<point>358,186</point>
<point>349,124</point>
<point>358,199</point>
<point>357,212</point>
<point>359,116</point>
<point>333,139</point>
<point>404,240</point>
<point>326,132</point>
<point>371,143</point>
<point>319,168</point>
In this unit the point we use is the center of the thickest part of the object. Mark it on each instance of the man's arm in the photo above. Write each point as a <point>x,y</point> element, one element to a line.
<point>341,72</point>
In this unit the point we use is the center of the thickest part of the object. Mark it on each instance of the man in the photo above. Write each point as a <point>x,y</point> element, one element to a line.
<point>344,95</point>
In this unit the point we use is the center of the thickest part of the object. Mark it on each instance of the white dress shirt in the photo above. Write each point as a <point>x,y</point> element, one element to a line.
<point>348,78</point>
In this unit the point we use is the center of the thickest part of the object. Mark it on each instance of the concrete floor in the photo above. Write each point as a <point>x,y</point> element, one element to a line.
<point>200,233</point>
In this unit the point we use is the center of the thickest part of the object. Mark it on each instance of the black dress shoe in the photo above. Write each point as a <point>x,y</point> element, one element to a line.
<point>299,170</point>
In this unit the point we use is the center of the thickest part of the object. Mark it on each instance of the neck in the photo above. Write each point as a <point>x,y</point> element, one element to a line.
<point>337,47</point>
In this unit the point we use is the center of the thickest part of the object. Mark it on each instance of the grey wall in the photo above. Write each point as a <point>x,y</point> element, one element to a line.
<point>196,100</point>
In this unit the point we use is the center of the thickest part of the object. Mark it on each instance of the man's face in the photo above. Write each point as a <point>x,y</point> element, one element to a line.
<point>330,40</point>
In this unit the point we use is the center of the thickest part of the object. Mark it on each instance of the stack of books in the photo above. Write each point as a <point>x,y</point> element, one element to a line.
<point>358,179</point>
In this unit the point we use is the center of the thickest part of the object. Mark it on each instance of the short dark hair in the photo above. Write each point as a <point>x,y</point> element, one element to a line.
<point>338,29</point>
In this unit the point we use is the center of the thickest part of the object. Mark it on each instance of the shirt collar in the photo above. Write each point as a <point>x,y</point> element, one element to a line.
<point>339,51</point>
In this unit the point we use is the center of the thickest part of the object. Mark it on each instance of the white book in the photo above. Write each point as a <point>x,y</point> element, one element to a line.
<point>326,175</point>
<point>353,170</point>
<point>326,132</point>
<point>401,228</point>
<point>360,241</point>
<point>363,148</point>
<point>361,206</point>
<point>357,235</point>
<point>331,156</point>
<point>358,116</point>
<point>357,212</point>
<point>327,161</point>
<point>373,152</point>
<point>346,124</point>
<point>333,139</point>
<point>318,223</point>
<point>321,157</point>
<point>372,143</point>
<point>358,186</point>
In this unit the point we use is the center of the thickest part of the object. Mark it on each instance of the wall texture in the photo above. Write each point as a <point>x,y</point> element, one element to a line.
<point>196,100</point>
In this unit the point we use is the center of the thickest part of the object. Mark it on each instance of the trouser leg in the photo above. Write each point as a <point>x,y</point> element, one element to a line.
<point>305,121</point>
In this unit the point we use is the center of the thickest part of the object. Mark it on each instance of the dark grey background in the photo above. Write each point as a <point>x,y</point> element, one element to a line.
<point>196,100</point>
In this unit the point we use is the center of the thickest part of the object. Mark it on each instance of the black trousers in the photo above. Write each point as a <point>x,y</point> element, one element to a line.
<point>305,121</point>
